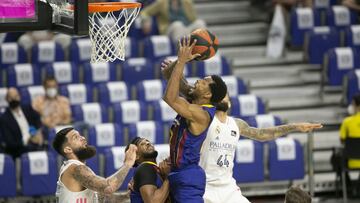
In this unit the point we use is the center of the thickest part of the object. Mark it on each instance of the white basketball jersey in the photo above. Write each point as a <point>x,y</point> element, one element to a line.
<point>218,151</point>
<point>64,195</point>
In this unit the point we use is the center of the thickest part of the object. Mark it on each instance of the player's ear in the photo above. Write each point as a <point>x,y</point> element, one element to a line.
<point>68,150</point>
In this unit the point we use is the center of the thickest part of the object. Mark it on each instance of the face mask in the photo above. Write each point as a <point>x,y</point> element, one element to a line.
<point>51,92</point>
<point>351,110</point>
<point>14,104</point>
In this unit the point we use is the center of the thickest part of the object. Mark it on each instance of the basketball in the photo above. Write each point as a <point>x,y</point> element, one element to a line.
<point>206,45</point>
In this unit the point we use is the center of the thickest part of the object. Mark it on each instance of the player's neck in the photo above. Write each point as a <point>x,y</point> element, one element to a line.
<point>221,116</point>
<point>148,160</point>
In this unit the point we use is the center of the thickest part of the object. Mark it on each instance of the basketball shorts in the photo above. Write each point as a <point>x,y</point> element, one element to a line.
<point>225,193</point>
<point>187,185</point>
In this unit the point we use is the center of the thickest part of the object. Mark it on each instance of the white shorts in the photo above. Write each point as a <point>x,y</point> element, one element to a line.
<point>224,193</point>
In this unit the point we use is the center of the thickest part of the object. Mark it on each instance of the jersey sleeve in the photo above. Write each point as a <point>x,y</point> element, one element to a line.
<point>145,174</point>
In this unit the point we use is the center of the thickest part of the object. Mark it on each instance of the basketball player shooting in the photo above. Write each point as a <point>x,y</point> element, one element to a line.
<point>187,179</point>
<point>220,184</point>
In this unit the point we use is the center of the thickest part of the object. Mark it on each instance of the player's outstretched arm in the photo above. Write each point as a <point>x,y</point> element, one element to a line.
<point>109,185</point>
<point>266,134</point>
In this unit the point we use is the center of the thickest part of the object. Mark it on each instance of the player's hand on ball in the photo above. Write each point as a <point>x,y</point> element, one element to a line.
<point>130,156</point>
<point>307,127</point>
<point>185,50</point>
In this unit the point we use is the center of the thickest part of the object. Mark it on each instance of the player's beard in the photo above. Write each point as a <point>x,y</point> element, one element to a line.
<point>150,155</point>
<point>85,153</point>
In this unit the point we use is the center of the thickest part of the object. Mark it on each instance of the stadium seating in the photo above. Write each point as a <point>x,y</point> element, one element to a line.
<point>95,73</point>
<point>30,93</point>
<point>113,92</point>
<point>249,161</point>
<point>7,176</point>
<point>235,85</point>
<point>128,112</point>
<point>158,46</point>
<point>150,90</point>
<point>352,37</point>
<point>90,113</point>
<point>3,102</point>
<point>77,93</point>
<point>217,65</point>
<point>105,135</point>
<point>338,62</point>
<point>318,41</point>
<point>302,20</point>
<point>64,72</point>
<point>341,17</point>
<point>264,121</point>
<point>247,105</point>
<point>135,70</point>
<point>80,50</point>
<point>324,4</point>
<point>12,53</point>
<point>39,173</point>
<point>162,112</point>
<point>352,85</point>
<point>46,52</point>
<point>188,70</point>
<point>151,130</point>
<point>93,163</point>
<point>286,153</point>
<point>21,75</point>
<point>131,48</point>
<point>114,158</point>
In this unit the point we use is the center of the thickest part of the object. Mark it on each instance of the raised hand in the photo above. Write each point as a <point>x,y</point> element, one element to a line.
<point>165,69</point>
<point>130,156</point>
<point>185,50</point>
<point>164,168</point>
<point>307,127</point>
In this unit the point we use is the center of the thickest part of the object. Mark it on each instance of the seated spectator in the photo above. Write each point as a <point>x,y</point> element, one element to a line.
<point>54,109</point>
<point>352,4</point>
<point>296,195</point>
<point>175,18</point>
<point>20,126</point>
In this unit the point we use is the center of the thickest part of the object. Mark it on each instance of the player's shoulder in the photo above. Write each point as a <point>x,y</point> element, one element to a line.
<point>146,167</point>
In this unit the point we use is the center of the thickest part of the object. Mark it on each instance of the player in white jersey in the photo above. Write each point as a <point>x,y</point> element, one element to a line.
<point>218,149</point>
<point>77,183</point>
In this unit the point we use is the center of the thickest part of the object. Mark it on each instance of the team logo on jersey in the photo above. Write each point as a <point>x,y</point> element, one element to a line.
<point>217,130</point>
<point>233,133</point>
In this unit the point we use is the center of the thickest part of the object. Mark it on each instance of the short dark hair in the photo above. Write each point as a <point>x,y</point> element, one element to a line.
<point>49,78</point>
<point>296,195</point>
<point>356,99</point>
<point>218,89</point>
<point>60,139</point>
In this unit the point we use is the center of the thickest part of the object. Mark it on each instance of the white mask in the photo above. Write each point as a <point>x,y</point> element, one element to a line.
<point>51,92</point>
<point>351,109</point>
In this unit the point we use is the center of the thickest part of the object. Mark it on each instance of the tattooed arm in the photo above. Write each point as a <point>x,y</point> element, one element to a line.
<point>109,185</point>
<point>266,134</point>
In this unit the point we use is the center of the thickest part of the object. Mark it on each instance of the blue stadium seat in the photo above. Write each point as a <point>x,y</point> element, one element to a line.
<point>90,113</point>
<point>352,36</point>
<point>11,53</point>
<point>151,130</point>
<point>95,73</point>
<point>217,65</point>
<point>93,163</point>
<point>128,112</point>
<point>131,48</point>
<point>3,102</point>
<point>106,135</point>
<point>113,92</point>
<point>39,173</point>
<point>162,112</point>
<point>163,152</point>
<point>158,46</point>
<point>150,90</point>
<point>80,50</point>
<point>235,85</point>
<point>137,69</point>
<point>323,4</point>
<point>7,176</point>
<point>114,158</point>
<point>338,62</point>
<point>46,52</point>
<point>302,20</point>
<point>249,161</point>
<point>352,85</point>
<point>286,159</point>
<point>341,17</point>
<point>318,41</point>
<point>264,121</point>
<point>77,93</point>
<point>21,75</point>
<point>188,70</point>
<point>247,105</point>
<point>64,72</point>
<point>30,93</point>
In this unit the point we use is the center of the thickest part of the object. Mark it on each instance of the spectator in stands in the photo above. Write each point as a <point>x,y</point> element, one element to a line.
<point>175,18</point>
<point>20,126</point>
<point>53,108</point>
<point>28,39</point>
<point>296,195</point>
<point>352,4</point>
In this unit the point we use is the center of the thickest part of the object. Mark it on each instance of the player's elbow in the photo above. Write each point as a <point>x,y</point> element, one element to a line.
<point>168,99</point>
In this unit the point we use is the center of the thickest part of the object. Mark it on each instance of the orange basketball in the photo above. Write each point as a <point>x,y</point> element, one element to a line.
<point>206,44</point>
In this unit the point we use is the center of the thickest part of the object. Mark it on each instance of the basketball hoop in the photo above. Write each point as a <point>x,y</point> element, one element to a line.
<point>109,23</point>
